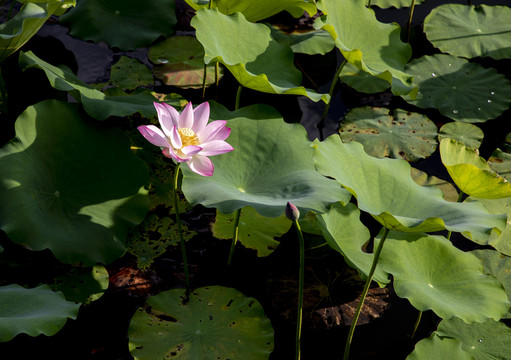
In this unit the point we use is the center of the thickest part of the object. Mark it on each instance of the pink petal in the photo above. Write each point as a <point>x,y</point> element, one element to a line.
<point>201,165</point>
<point>211,131</point>
<point>215,147</point>
<point>200,116</point>
<point>191,150</point>
<point>154,135</point>
<point>175,139</point>
<point>186,117</point>
<point>167,116</point>
<point>169,152</point>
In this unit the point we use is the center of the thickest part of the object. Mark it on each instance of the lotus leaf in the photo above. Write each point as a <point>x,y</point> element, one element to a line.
<point>362,81</point>
<point>83,285</point>
<point>70,186</point>
<point>468,134</point>
<point>433,274</point>
<point>345,233</point>
<point>423,179</point>
<point>439,348</point>
<point>112,20</point>
<point>471,173</point>
<point>365,42</point>
<point>384,4</point>
<point>271,164</point>
<point>213,323</point>
<point>33,311</point>
<point>309,42</point>
<point>500,162</point>
<point>254,231</point>
<point>249,52</point>
<point>483,340</point>
<point>385,189</point>
<point>129,74</point>
<point>460,90</point>
<point>402,134</point>
<point>470,31</point>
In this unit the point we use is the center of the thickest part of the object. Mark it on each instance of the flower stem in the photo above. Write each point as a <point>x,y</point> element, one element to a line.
<point>234,236</point>
<point>364,293</point>
<point>417,322</point>
<point>204,81</point>
<point>327,106</point>
<point>409,26</point>
<point>301,276</point>
<point>238,96</point>
<point>369,4</point>
<point>179,230</point>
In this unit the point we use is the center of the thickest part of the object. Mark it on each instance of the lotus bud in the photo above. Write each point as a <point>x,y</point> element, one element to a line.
<point>292,212</point>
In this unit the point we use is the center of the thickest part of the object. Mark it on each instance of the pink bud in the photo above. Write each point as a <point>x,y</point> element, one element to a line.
<point>292,212</point>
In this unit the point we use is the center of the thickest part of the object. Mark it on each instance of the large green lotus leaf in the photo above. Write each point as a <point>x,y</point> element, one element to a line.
<point>500,162</point>
<point>97,104</point>
<point>500,240</point>
<point>471,173</point>
<point>439,348</point>
<point>254,58</point>
<point>129,74</point>
<point>254,231</point>
<point>310,42</point>
<point>499,266</point>
<point>423,179</point>
<point>345,233</point>
<point>179,61</point>
<point>15,32</point>
<point>70,186</point>
<point>470,31</point>
<point>33,311</point>
<point>83,285</point>
<point>126,24</point>
<point>257,10</point>
<point>384,4</point>
<point>362,81</point>
<point>402,134</point>
<point>483,340</point>
<point>365,42</point>
<point>468,134</point>
<point>433,274</point>
<point>271,164</point>
<point>215,322</point>
<point>385,189</point>
<point>460,90</point>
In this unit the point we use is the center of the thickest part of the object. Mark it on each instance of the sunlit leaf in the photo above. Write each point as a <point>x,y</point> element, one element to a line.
<point>385,189</point>
<point>433,274</point>
<point>211,323</point>
<point>309,42</point>
<point>70,186</point>
<point>271,164</point>
<point>466,133</point>
<point>33,311</point>
<point>471,173</point>
<point>470,31</point>
<point>384,4</point>
<point>439,348</point>
<point>249,52</point>
<point>459,89</point>
<point>402,134</point>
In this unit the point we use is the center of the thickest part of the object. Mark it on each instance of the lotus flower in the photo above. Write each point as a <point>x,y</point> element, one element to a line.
<point>187,137</point>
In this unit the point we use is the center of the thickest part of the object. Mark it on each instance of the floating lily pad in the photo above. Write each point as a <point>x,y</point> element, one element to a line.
<point>468,134</point>
<point>423,179</point>
<point>15,32</point>
<point>257,10</point>
<point>97,104</point>
<point>126,24</point>
<point>470,31</point>
<point>384,4</point>
<point>249,52</point>
<point>215,322</point>
<point>365,42</point>
<point>385,189</point>
<point>129,74</point>
<point>33,311</point>
<point>406,135</point>
<point>179,61</point>
<point>499,266</point>
<point>271,164</point>
<point>70,186</point>
<point>309,42</point>
<point>483,340</point>
<point>439,348</point>
<point>254,231</point>
<point>433,274</point>
<point>362,81</point>
<point>83,285</point>
<point>471,173</point>
<point>345,233</point>
<point>460,90</point>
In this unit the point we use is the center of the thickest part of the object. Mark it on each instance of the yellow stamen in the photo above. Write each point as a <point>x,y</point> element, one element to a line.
<point>188,137</point>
